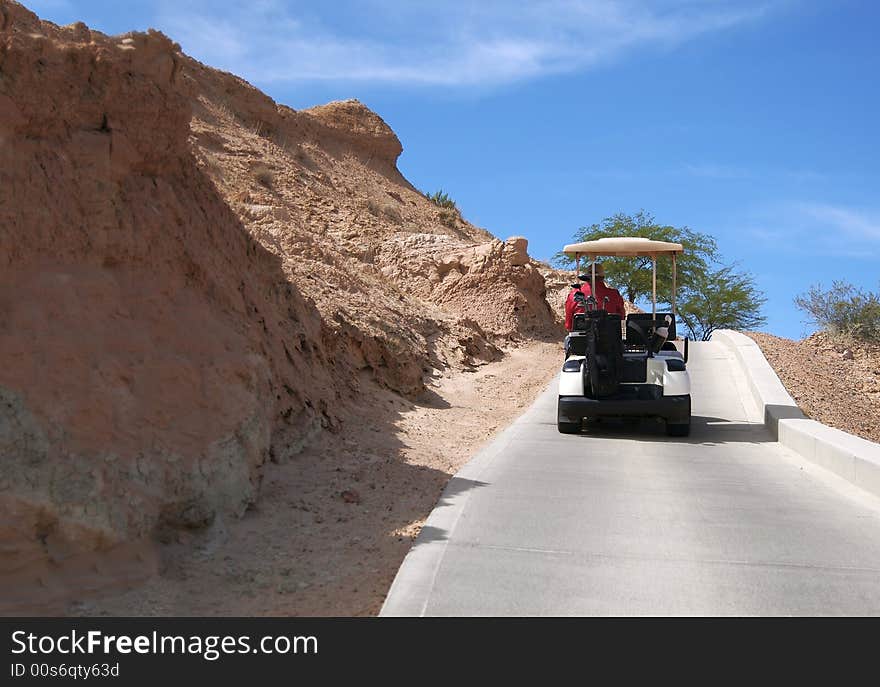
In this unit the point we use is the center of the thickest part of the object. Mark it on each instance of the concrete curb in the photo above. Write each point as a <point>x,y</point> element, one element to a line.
<point>854,459</point>
<point>409,593</point>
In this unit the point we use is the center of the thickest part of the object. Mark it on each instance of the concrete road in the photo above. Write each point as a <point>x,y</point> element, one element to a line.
<point>627,521</point>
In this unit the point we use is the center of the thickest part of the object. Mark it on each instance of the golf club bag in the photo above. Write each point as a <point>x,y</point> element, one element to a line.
<point>603,369</point>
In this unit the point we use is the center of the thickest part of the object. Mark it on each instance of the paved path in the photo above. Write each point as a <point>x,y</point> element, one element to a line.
<point>627,521</point>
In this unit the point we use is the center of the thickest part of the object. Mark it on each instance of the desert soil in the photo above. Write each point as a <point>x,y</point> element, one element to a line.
<point>834,380</point>
<point>333,525</point>
<point>198,284</point>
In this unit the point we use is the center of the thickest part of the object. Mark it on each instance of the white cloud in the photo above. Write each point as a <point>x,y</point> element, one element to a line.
<point>816,230</point>
<point>857,224</point>
<point>447,44</point>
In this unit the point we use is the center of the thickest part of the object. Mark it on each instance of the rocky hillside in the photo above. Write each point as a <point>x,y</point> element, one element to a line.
<point>196,280</point>
<point>835,379</point>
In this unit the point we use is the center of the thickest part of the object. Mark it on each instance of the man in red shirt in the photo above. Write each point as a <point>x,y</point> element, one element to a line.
<point>571,307</point>
<point>614,306</point>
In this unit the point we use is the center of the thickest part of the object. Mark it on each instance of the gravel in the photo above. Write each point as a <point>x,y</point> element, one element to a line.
<point>834,379</point>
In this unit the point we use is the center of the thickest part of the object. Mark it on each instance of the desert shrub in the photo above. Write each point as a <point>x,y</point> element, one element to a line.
<point>210,162</point>
<point>449,218</point>
<point>373,207</point>
<point>843,309</point>
<point>262,129</point>
<point>225,110</point>
<point>392,213</point>
<point>291,148</point>
<point>441,199</point>
<point>300,155</point>
<point>263,175</point>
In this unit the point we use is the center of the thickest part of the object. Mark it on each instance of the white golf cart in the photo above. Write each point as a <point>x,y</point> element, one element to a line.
<point>607,374</point>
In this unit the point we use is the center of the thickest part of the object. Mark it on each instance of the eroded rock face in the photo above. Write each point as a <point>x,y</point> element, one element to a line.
<point>194,279</point>
<point>144,367</point>
<point>493,284</point>
<point>363,128</point>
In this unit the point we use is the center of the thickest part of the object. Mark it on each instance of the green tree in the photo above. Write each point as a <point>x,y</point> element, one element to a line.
<point>723,298</point>
<point>842,309</point>
<point>632,276</point>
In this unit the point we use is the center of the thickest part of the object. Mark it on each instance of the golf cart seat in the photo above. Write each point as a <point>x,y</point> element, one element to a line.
<point>645,323</point>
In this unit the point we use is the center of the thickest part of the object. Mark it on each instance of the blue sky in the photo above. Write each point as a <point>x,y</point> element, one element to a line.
<point>756,122</point>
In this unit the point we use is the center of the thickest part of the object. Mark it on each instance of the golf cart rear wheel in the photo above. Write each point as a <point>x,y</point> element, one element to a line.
<point>678,430</point>
<point>569,427</point>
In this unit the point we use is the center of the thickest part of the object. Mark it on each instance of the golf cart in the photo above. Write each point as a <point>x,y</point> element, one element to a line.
<point>607,374</point>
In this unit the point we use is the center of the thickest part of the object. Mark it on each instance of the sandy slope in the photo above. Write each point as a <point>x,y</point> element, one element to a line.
<point>834,380</point>
<point>333,525</point>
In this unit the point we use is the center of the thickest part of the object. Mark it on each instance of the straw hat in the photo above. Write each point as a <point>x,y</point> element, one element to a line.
<point>588,272</point>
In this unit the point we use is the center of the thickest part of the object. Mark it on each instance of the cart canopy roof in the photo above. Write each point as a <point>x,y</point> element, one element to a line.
<point>629,246</point>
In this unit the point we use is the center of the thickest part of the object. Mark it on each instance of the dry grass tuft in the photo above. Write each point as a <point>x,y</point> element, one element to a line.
<point>263,175</point>
<point>449,218</point>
